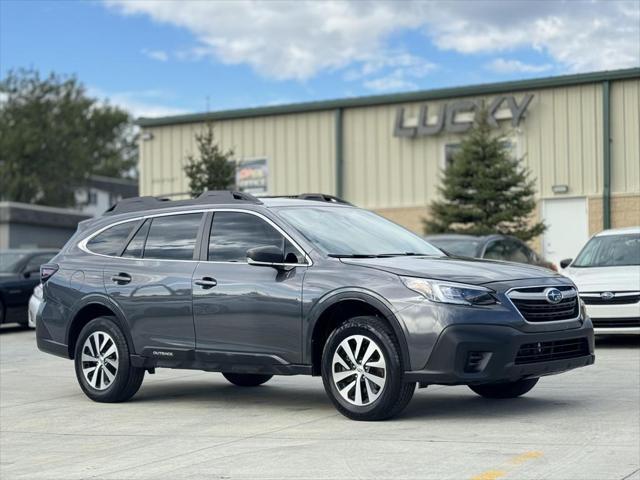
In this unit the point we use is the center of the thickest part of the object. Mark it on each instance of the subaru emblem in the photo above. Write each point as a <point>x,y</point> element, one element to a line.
<point>607,295</point>
<point>553,295</point>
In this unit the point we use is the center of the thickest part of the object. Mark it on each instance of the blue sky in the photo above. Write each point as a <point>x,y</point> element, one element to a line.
<point>164,57</point>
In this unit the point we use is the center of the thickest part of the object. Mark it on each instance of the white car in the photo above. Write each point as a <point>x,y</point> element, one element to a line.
<point>34,305</point>
<point>607,274</point>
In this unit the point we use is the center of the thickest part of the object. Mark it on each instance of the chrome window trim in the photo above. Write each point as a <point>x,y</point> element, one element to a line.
<point>82,244</point>
<point>538,298</point>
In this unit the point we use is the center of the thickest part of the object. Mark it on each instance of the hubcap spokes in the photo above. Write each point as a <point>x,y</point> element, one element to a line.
<point>359,370</point>
<point>99,360</point>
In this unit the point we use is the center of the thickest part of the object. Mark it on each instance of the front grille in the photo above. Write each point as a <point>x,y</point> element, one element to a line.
<point>533,305</point>
<point>620,298</point>
<point>549,351</point>
<point>622,322</point>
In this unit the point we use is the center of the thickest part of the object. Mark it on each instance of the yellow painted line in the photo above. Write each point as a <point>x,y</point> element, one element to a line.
<point>490,475</point>
<point>509,465</point>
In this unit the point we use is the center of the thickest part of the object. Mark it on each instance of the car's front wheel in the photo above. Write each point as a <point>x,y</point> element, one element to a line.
<point>506,389</point>
<point>103,367</point>
<point>362,370</point>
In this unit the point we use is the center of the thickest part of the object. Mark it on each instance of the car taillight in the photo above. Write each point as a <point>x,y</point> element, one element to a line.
<point>47,270</point>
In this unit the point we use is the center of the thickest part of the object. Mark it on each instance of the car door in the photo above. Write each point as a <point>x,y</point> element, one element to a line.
<point>151,282</point>
<point>252,311</point>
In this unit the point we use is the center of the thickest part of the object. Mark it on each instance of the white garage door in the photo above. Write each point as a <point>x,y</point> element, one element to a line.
<point>567,227</point>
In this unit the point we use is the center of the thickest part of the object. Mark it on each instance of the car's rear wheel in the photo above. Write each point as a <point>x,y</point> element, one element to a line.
<point>506,389</point>
<point>362,370</point>
<point>103,367</point>
<point>247,379</point>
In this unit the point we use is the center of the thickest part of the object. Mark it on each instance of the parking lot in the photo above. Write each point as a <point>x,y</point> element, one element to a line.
<point>581,425</point>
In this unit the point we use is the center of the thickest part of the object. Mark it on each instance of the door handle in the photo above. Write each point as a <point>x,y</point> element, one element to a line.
<point>121,278</point>
<point>206,282</point>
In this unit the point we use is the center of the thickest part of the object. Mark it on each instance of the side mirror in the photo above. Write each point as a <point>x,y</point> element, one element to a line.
<point>31,273</point>
<point>268,256</point>
<point>566,262</point>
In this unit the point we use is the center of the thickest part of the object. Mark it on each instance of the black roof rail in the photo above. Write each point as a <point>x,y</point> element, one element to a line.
<point>136,204</point>
<point>318,197</point>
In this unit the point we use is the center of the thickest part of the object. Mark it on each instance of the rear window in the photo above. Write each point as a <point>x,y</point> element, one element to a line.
<point>111,241</point>
<point>173,237</point>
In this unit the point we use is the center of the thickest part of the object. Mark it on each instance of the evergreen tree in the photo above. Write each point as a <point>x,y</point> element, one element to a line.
<point>214,170</point>
<point>485,190</point>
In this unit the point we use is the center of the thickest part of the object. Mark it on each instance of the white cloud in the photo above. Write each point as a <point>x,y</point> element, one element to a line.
<point>579,35</point>
<point>139,104</point>
<point>297,40</point>
<point>159,55</point>
<point>501,65</point>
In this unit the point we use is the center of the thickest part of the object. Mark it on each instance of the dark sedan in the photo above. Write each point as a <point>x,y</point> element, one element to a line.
<point>489,247</point>
<point>19,275</point>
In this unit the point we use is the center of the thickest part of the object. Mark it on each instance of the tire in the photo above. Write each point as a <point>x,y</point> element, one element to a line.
<point>505,390</point>
<point>247,379</point>
<point>375,390</point>
<point>113,378</point>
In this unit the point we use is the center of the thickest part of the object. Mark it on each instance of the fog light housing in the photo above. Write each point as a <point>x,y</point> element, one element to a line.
<point>476,361</point>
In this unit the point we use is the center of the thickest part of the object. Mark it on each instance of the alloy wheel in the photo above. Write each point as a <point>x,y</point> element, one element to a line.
<point>359,370</point>
<point>99,360</point>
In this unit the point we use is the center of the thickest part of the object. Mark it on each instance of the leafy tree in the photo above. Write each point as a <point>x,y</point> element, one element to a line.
<point>214,169</point>
<point>53,136</point>
<point>485,190</point>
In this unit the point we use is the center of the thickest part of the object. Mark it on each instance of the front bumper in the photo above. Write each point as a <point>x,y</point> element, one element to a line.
<point>615,319</point>
<point>448,363</point>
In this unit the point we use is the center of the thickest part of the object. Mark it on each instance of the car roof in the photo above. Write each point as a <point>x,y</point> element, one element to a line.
<point>619,231</point>
<point>29,250</point>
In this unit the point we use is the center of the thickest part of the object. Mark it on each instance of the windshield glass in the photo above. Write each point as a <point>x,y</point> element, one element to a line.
<point>461,247</point>
<point>610,251</point>
<point>9,261</point>
<point>355,232</point>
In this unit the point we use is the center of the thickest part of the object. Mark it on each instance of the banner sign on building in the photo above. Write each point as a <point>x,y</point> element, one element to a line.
<point>252,175</point>
<point>457,117</point>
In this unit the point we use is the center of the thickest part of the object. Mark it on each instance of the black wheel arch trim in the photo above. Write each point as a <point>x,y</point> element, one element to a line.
<point>362,295</point>
<point>106,302</point>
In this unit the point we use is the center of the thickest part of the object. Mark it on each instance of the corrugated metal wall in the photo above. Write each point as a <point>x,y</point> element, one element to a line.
<point>560,140</point>
<point>300,149</point>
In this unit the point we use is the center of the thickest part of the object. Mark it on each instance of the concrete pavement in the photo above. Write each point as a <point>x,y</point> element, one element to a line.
<point>582,425</point>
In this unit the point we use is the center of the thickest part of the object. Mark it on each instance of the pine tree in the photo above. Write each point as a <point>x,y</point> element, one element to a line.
<point>485,190</point>
<point>214,170</point>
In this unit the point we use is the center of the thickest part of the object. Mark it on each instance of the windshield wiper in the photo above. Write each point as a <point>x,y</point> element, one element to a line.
<point>405,254</point>
<point>351,255</point>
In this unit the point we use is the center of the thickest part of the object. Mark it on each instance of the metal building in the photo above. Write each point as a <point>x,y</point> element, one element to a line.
<point>579,135</point>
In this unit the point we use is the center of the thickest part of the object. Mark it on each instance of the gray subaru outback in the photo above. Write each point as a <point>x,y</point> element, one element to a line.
<point>309,285</point>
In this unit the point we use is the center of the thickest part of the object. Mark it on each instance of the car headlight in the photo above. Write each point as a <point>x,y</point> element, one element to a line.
<point>448,292</point>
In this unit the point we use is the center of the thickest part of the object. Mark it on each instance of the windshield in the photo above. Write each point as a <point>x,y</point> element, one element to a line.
<point>610,251</point>
<point>9,261</point>
<point>355,232</point>
<point>463,248</point>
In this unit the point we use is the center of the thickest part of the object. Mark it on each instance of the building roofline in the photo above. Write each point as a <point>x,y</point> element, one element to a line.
<point>372,100</point>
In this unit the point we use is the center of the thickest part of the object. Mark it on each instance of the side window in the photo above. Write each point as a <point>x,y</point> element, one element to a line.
<point>233,233</point>
<point>518,252</point>
<point>496,251</point>
<point>111,241</point>
<point>173,237</point>
<point>34,263</point>
<point>136,245</point>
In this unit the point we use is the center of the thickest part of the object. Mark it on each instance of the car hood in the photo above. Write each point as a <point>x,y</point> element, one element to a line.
<point>454,269</point>
<point>601,279</point>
